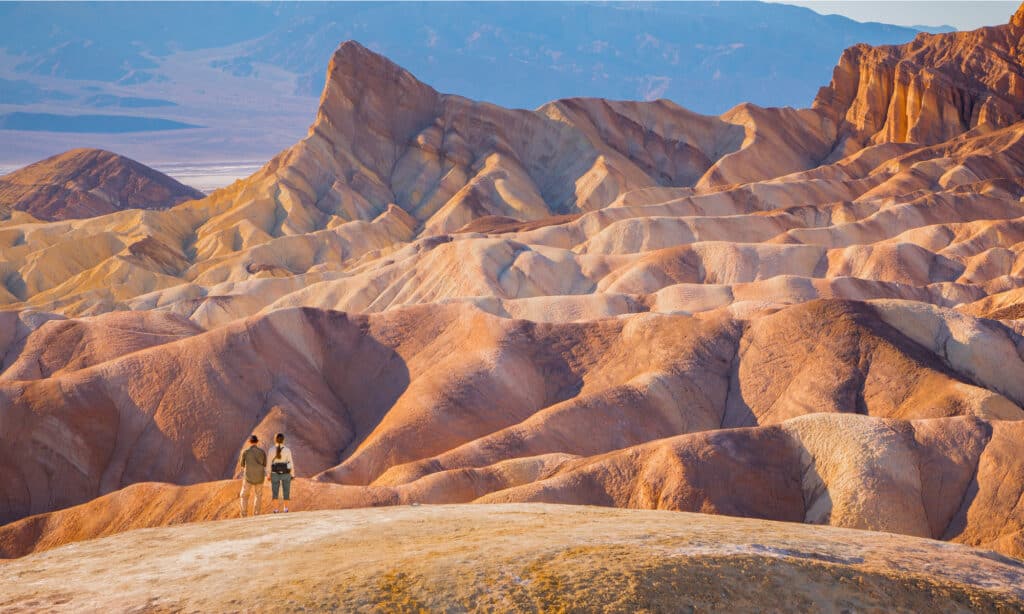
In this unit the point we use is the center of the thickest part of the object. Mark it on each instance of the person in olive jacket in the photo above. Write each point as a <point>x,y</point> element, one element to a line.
<point>254,463</point>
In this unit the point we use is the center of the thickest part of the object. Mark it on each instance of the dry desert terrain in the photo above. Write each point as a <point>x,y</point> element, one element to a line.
<point>804,315</point>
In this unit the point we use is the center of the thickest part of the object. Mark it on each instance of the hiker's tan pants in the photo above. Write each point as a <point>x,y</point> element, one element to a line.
<point>244,497</point>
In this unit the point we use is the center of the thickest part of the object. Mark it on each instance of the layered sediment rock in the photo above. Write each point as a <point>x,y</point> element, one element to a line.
<point>446,404</point>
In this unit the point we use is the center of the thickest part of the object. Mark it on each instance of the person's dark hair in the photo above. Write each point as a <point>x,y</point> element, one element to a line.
<point>279,438</point>
<point>254,439</point>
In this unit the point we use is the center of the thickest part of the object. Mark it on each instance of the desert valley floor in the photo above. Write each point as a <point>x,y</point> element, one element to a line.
<point>803,315</point>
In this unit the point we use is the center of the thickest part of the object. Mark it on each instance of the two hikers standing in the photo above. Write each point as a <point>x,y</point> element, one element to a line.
<point>279,467</point>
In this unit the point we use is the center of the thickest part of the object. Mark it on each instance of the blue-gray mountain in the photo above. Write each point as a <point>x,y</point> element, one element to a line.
<point>705,56</point>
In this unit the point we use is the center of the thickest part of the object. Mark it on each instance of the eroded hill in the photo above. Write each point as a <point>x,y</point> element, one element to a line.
<point>84,183</point>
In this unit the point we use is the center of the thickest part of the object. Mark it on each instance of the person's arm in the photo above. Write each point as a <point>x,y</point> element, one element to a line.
<point>291,462</point>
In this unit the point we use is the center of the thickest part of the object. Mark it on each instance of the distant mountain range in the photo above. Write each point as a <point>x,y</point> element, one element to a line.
<point>186,63</point>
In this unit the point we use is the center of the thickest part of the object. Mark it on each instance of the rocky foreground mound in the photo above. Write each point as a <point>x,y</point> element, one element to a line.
<point>510,557</point>
<point>84,183</point>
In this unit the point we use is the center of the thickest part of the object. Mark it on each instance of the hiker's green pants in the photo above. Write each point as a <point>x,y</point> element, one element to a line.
<point>281,481</point>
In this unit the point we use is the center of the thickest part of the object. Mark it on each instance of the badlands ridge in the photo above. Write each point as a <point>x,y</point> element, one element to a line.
<point>804,315</point>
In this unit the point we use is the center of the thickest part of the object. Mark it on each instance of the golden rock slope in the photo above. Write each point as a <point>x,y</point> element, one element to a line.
<point>773,313</point>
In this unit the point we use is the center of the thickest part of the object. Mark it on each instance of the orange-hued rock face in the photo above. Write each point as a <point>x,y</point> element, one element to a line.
<point>803,315</point>
<point>89,182</point>
<point>929,90</point>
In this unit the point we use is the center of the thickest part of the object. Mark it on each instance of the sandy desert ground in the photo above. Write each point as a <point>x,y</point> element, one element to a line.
<point>511,557</point>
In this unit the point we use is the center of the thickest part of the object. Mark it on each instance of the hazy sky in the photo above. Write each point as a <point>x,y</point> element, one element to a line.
<point>961,14</point>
